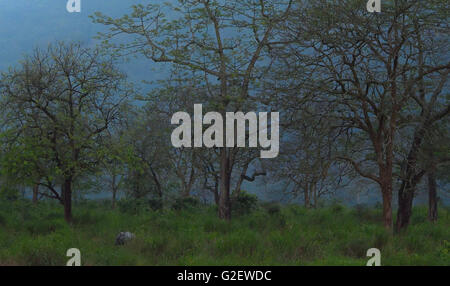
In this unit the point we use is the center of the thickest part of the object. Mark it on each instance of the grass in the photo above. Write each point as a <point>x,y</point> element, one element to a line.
<point>334,235</point>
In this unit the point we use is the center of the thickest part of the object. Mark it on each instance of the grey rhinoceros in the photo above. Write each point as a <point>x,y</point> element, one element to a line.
<point>124,237</point>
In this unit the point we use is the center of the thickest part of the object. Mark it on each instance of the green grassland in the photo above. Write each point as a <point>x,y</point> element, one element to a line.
<point>268,235</point>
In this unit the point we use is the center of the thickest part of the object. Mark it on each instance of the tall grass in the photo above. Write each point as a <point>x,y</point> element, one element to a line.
<point>291,235</point>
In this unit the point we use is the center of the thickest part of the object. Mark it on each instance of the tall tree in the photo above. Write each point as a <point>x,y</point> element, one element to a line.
<point>428,28</point>
<point>366,67</point>
<point>69,96</point>
<point>222,41</point>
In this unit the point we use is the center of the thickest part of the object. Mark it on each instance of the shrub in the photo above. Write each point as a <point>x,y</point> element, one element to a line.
<point>43,227</point>
<point>361,210</point>
<point>272,208</point>
<point>364,213</point>
<point>295,210</point>
<point>444,252</point>
<point>244,203</point>
<point>378,206</point>
<point>258,221</point>
<point>156,204</point>
<point>216,225</point>
<point>355,247</point>
<point>185,203</point>
<point>242,243</point>
<point>88,217</point>
<point>2,220</point>
<point>9,194</point>
<point>133,206</point>
<point>337,208</point>
<point>44,250</point>
<point>381,238</point>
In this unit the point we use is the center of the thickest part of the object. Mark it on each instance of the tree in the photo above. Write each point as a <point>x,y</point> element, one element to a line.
<point>147,135</point>
<point>366,68</point>
<point>308,164</point>
<point>24,162</point>
<point>430,107</point>
<point>435,158</point>
<point>221,41</point>
<point>118,159</point>
<point>187,165</point>
<point>68,97</point>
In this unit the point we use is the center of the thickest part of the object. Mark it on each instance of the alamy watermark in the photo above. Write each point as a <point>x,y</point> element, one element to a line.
<point>75,255</point>
<point>236,131</point>
<point>73,6</point>
<point>374,6</point>
<point>375,255</point>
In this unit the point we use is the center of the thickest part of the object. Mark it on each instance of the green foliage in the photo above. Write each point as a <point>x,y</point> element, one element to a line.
<point>272,208</point>
<point>363,212</point>
<point>244,203</point>
<point>133,206</point>
<point>2,220</point>
<point>9,193</point>
<point>337,208</point>
<point>444,252</point>
<point>37,235</point>
<point>139,206</point>
<point>156,204</point>
<point>185,203</point>
<point>41,141</point>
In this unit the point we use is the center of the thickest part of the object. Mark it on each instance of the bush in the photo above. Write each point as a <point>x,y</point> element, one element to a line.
<point>244,203</point>
<point>2,220</point>
<point>185,203</point>
<point>355,247</point>
<point>43,227</point>
<point>381,239</point>
<point>337,208</point>
<point>47,250</point>
<point>444,252</point>
<point>216,225</point>
<point>133,206</point>
<point>9,194</point>
<point>364,213</point>
<point>272,208</point>
<point>156,204</point>
<point>88,217</point>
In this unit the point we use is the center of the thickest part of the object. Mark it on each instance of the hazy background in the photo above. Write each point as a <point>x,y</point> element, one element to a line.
<point>26,24</point>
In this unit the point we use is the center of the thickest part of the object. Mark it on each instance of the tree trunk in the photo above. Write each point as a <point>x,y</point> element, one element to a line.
<point>190,182</point>
<point>314,190</point>
<point>386,190</point>
<point>307,196</point>
<point>405,199</point>
<point>409,181</point>
<point>186,191</point>
<point>405,202</point>
<point>224,197</point>
<point>35,193</point>
<point>114,193</point>
<point>216,191</point>
<point>156,180</point>
<point>67,199</point>
<point>216,198</point>
<point>432,197</point>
